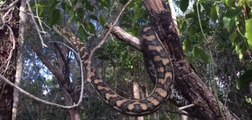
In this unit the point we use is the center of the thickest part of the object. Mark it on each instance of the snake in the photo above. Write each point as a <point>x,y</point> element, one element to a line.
<point>152,48</point>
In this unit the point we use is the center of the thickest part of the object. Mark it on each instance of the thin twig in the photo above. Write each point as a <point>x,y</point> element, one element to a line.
<point>5,15</point>
<point>213,85</point>
<point>36,25</point>
<point>12,38</point>
<point>38,18</point>
<point>185,107</point>
<point>108,32</point>
<point>88,33</point>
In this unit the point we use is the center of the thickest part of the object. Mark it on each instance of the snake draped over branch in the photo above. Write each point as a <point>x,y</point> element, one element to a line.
<point>153,48</point>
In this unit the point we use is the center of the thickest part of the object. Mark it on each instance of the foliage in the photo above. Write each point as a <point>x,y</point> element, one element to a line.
<point>216,33</point>
<point>119,54</point>
<point>88,19</point>
<point>217,17</point>
<point>244,80</point>
<point>225,36</point>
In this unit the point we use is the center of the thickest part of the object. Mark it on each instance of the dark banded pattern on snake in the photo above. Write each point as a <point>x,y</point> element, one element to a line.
<point>164,73</point>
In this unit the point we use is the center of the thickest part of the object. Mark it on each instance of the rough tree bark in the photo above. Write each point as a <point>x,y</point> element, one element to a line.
<point>186,80</point>
<point>20,58</point>
<point>9,24</point>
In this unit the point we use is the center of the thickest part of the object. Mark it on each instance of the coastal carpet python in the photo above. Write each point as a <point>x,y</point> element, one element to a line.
<point>153,48</point>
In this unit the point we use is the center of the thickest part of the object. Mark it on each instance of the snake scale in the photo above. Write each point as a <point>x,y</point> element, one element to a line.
<point>164,76</point>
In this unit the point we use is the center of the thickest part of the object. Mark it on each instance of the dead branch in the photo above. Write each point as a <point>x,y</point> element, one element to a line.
<point>10,6</point>
<point>122,35</point>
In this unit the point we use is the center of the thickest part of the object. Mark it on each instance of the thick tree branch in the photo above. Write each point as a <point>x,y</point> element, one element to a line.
<point>125,37</point>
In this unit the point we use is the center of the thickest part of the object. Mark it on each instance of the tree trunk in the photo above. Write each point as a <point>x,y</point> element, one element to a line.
<point>186,80</point>
<point>20,56</point>
<point>8,48</point>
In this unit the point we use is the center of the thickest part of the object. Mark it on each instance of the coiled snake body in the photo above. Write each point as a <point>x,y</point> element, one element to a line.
<point>164,77</point>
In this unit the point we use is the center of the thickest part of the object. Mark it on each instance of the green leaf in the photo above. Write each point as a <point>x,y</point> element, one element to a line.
<point>187,45</point>
<point>249,2</point>
<point>41,8</point>
<point>233,38</point>
<point>90,27</point>
<point>184,5</point>
<point>207,5</point>
<point>93,17</point>
<point>54,17</point>
<point>53,3</point>
<point>199,53</point>
<point>88,6</point>
<point>214,12</point>
<point>229,23</point>
<point>190,15</point>
<point>138,12</point>
<point>230,3</point>
<point>248,33</point>
<point>182,25</point>
<point>102,21</point>
<point>244,80</point>
<point>83,33</point>
<point>238,49</point>
<point>104,3</point>
<point>232,12</point>
<point>248,100</point>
